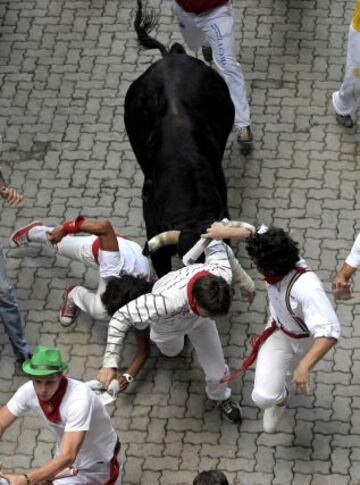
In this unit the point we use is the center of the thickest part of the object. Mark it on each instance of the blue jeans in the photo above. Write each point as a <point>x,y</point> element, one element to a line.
<point>10,314</point>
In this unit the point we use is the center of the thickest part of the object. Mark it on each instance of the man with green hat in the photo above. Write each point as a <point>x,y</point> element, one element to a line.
<point>84,434</point>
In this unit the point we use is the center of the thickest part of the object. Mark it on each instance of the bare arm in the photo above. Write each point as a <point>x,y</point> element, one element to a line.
<point>143,343</point>
<point>341,285</point>
<point>69,447</point>
<point>221,231</point>
<point>6,419</point>
<point>301,376</point>
<point>11,196</point>
<point>99,227</point>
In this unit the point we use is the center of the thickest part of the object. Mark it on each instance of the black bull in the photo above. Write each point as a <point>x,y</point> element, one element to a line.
<point>178,116</point>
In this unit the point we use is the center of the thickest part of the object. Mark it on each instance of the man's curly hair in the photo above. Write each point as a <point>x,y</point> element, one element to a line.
<point>121,291</point>
<point>274,252</point>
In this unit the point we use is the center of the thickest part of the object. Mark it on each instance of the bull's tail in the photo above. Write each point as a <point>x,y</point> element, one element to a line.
<point>143,24</point>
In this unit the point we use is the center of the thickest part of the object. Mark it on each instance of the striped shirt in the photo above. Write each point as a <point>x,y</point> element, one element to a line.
<point>166,309</point>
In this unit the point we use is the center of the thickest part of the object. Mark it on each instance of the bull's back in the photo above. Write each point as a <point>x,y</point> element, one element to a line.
<point>184,88</point>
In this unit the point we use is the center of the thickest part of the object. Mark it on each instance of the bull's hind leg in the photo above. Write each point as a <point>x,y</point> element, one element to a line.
<point>161,261</point>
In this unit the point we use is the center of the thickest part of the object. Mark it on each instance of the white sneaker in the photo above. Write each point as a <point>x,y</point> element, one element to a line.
<point>68,311</point>
<point>20,237</point>
<point>271,418</point>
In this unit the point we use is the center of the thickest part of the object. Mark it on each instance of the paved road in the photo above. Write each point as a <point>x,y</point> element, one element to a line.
<point>64,69</point>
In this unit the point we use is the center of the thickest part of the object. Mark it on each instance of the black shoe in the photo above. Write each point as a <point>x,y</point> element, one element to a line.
<point>207,53</point>
<point>231,410</point>
<point>344,120</point>
<point>19,362</point>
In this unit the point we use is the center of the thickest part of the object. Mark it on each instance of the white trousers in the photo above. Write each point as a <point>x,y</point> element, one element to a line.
<point>206,341</point>
<point>216,29</point>
<point>77,248</point>
<point>347,99</point>
<point>276,362</point>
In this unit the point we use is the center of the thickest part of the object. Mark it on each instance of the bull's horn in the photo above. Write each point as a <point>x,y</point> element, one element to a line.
<point>164,239</point>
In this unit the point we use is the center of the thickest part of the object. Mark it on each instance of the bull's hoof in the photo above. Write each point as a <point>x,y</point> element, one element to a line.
<point>146,251</point>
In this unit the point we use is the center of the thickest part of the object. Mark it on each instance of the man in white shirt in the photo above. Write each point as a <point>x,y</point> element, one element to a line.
<point>84,435</point>
<point>185,302</point>
<point>113,255</point>
<point>124,273</point>
<point>341,285</point>
<point>303,325</point>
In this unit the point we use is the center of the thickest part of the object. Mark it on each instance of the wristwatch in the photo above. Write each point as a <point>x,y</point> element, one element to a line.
<point>129,378</point>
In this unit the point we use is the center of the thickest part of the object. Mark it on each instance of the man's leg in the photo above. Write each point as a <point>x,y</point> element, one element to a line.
<point>10,314</point>
<point>73,247</point>
<point>206,341</point>
<point>275,365</point>
<point>218,26</point>
<point>347,99</point>
<point>193,36</point>
<point>89,301</point>
<point>169,348</point>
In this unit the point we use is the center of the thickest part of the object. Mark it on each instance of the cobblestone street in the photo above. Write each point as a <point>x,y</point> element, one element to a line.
<point>65,67</point>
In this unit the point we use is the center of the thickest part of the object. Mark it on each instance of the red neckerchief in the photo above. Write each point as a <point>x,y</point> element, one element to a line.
<point>51,408</point>
<point>274,279</point>
<point>189,288</point>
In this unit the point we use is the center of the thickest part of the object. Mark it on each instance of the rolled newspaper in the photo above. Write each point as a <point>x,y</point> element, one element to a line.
<point>108,395</point>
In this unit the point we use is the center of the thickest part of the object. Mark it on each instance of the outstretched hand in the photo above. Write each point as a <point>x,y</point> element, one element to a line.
<point>342,288</point>
<point>11,196</point>
<point>220,231</point>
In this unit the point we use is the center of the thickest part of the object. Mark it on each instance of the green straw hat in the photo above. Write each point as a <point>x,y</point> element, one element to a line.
<point>45,361</point>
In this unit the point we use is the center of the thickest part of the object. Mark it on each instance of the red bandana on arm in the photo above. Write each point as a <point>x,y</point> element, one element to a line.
<point>51,408</point>
<point>189,288</point>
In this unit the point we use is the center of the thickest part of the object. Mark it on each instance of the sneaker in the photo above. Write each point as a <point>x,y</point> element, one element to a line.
<point>272,417</point>
<point>231,410</point>
<point>20,237</point>
<point>68,311</point>
<point>207,53</point>
<point>245,138</point>
<point>344,120</point>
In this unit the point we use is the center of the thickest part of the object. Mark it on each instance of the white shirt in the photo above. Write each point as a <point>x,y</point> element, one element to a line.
<point>308,301</point>
<point>353,258</point>
<point>80,410</point>
<point>128,260</point>
<point>166,308</point>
